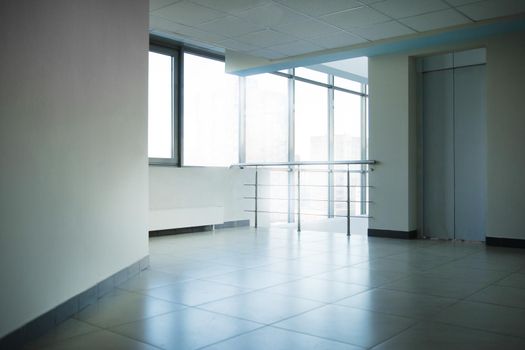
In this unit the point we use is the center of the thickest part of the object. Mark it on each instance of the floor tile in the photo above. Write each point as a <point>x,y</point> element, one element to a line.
<point>279,339</point>
<point>316,289</point>
<point>402,266</point>
<point>436,336</point>
<point>494,260</point>
<point>297,267</point>
<point>194,292</point>
<point>121,307</point>
<point>246,260</point>
<point>335,259</point>
<point>186,329</point>
<point>494,318</point>
<point>515,280</point>
<point>252,279</point>
<point>68,329</point>
<point>441,287</point>
<point>353,326</point>
<point>366,277</point>
<point>398,303</point>
<point>149,279</point>
<point>507,296</point>
<point>456,271</point>
<point>100,340</point>
<point>261,307</point>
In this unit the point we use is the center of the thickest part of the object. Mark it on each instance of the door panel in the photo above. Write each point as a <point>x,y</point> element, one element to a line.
<point>438,154</point>
<point>470,153</point>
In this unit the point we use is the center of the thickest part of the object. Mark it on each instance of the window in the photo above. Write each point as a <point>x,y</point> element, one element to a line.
<point>311,122</point>
<point>311,74</point>
<point>211,113</point>
<point>161,121</point>
<point>347,125</point>
<point>347,84</point>
<point>266,114</point>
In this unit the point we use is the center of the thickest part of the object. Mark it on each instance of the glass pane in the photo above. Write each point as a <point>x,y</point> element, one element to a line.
<point>347,126</point>
<point>311,122</point>
<point>211,113</point>
<point>160,119</point>
<point>311,74</point>
<point>266,118</point>
<point>347,84</point>
<point>273,200</point>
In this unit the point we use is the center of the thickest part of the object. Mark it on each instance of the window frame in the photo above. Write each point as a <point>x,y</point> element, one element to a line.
<point>164,47</point>
<point>177,50</point>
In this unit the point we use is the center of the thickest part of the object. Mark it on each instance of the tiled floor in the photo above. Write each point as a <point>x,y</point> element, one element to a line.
<point>272,289</point>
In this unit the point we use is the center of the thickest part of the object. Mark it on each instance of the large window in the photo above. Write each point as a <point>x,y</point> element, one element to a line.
<point>201,116</point>
<point>211,113</point>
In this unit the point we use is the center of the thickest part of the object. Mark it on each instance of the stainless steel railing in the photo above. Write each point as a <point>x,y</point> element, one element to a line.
<point>365,166</point>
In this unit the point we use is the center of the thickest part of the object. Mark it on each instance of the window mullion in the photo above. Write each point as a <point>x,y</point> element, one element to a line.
<point>330,141</point>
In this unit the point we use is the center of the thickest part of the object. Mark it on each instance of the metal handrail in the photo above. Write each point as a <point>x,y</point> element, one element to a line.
<point>308,214</point>
<point>296,167</point>
<point>306,199</point>
<point>325,186</point>
<point>334,162</point>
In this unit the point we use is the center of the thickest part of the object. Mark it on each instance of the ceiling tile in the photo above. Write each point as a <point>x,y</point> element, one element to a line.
<point>339,39</point>
<point>271,15</point>
<point>407,8</point>
<point>493,8</point>
<point>231,6</point>
<point>163,25</point>
<point>156,4</point>
<point>383,31</point>
<point>307,29</point>
<point>236,45</point>
<point>265,38</point>
<point>298,47</point>
<point>188,13</point>
<point>229,26</point>
<point>435,20</point>
<point>266,53</point>
<point>359,17</point>
<point>318,8</point>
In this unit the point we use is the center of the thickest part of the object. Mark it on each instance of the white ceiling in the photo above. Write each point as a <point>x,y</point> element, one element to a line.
<point>277,29</point>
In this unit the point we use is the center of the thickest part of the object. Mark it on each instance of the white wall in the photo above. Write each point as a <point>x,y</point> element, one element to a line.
<point>195,196</point>
<point>506,137</point>
<point>392,143</point>
<point>73,179</point>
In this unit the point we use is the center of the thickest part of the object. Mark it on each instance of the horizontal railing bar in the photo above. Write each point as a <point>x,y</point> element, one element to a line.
<point>311,214</point>
<point>308,200</point>
<point>268,185</point>
<point>335,162</point>
<point>318,170</point>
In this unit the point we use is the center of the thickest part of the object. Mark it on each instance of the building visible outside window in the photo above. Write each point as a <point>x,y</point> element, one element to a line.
<point>211,113</point>
<point>266,118</point>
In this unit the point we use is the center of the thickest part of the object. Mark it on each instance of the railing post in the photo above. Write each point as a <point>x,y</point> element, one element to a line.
<point>348,200</point>
<point>256,191</point>
<point>298,198</point>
